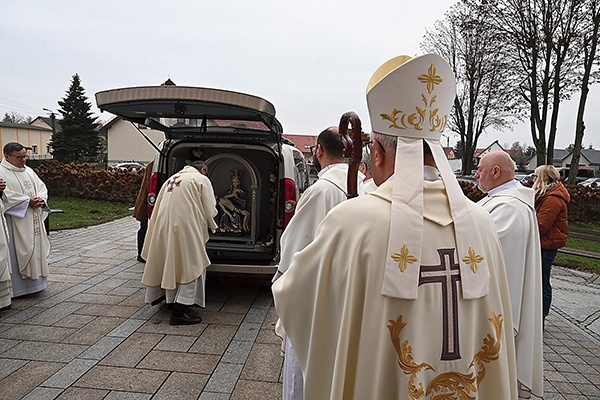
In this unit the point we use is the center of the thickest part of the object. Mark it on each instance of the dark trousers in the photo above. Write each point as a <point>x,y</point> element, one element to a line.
<point>141,235</point>
<point>548,257</point>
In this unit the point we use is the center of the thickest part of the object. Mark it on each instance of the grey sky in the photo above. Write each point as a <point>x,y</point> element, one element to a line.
<point>311,59</point>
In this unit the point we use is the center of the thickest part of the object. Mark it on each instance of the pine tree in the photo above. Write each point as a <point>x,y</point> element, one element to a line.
<point>78,139</point>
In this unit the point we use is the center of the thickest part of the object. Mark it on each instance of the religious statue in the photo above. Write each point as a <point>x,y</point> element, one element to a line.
<point>235,218</point>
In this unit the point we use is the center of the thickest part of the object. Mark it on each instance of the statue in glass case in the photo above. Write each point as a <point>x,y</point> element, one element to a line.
<point>235,217</point>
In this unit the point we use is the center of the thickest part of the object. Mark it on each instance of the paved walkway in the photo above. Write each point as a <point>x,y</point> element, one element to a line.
<point>89,335</point>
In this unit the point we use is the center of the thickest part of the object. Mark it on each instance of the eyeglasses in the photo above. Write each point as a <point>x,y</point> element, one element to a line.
<point>18,157</point>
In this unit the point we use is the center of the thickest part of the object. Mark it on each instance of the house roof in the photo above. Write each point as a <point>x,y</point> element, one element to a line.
<point>24,126</point>
<point>592,155</point>
<point>302,142</point>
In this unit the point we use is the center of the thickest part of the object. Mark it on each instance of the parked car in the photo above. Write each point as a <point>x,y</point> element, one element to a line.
<point>249,163</point>
<point>130,165</point>
<point>591,182</point>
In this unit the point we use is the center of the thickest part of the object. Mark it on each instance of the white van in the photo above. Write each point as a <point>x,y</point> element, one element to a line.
<point>257,175</point>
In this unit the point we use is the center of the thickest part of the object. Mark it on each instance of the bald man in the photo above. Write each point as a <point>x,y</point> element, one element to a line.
<point>511,206</point>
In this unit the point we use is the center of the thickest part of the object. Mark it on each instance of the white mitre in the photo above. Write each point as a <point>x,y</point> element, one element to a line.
<point>411,98</point>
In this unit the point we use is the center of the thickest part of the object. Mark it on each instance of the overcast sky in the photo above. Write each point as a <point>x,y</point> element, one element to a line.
<point>311,58</point>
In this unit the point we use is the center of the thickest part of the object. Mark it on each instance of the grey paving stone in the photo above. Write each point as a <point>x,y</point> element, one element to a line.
<point>175,343</point>
<point>182,386</point>
<point>264,363</point>
<point>159,325</point>
<point>75,321</point>
<point>247,331</point>
<point>104,310</point>
<point>127,327</point>
<point>180,362</point>
<point>248,390</point>
<point>213,396</point>
<point>122,379</point>
<point>101,348</point>
<point>256,315</point>
<point>214,340</point>
<point>94,331</point>
<point>75,393</point>
<point>6,344</point>
<point>91,298</point>
<point>237,352</point>
<point>22,316</point>
<point>115,395</point>
<point>132,350</point>
<point>40,351</point>
<point>55,313</point>
<point>43,393</point>
<point>8,366</point>
<point>27,378</point>
<point>68,374</point>
<point>224,378</point>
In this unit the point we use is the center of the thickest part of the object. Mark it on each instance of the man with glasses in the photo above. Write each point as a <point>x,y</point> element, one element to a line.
<point>24,200</point>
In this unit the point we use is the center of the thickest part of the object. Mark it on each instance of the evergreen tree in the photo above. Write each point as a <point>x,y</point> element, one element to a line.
<point>78,139</point>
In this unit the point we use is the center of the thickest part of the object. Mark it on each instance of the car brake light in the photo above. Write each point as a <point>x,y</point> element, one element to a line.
<point>152,190</point>
<point>290,201</point>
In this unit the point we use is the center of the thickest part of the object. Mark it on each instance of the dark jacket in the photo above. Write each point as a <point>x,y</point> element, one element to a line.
<point>552,208</point>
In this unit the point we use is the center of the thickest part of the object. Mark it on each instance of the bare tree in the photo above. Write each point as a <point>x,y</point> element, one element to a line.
<point>474,50</point>
<point>543,60</point>
<point>16,118</point>
<point>588,44</point>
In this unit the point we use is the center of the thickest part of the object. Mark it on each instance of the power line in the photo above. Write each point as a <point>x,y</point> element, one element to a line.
<point>16,106</point>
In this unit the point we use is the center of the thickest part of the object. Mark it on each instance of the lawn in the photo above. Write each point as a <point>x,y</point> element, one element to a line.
<point>81,212</point>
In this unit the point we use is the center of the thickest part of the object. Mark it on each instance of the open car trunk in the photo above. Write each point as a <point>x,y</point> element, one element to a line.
<point>240,139</point>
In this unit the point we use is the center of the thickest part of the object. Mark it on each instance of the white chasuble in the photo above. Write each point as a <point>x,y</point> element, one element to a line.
<point>352,342</point>
<point>513,213</point>
<point>174,248</point>
<point>5,281</point>
<point>327,192</point>
<point>29,242</point>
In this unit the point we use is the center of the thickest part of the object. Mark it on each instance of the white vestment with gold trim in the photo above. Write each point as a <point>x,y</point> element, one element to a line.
<point>513,213</point>
<point>174,248</point>
<point>29,244</point>
<point>354,343</point>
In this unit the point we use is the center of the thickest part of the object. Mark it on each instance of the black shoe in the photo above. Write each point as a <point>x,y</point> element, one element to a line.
<point>182,315</point>
<point>140,259</point>
<point>158,301</point>
<point>5,308</point>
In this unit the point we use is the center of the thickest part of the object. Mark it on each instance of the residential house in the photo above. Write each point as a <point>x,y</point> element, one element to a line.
<point>562,159</point>
<point>305,143</point>
<point>36,138</point>
<point>126,143</point>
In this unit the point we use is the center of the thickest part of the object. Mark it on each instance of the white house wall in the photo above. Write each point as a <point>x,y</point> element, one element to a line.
<point>125,143</point>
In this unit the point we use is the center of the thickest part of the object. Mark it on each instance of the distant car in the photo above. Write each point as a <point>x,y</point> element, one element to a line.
<point>591,182</point>
<point>526,178</point>
<point>130,165</point>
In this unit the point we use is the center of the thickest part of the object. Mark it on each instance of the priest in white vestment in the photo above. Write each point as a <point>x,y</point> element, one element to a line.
<point>511,206</point>
<point>328,191</point>
<point>174,249</point>
<point>25,207</point>
<point>5,282</point>
<point>403,293</point>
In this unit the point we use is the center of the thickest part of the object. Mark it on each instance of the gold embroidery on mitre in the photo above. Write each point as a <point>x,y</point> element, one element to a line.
<point>472,259</point>
<point>451,384</point>
<point>418,118</point>
<point>403,258</point>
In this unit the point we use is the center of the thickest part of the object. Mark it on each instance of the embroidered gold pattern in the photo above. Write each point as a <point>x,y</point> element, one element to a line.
<point>403,258</point>
<point>472,259</point>
<point>451,384</point>
<point>400,120</point>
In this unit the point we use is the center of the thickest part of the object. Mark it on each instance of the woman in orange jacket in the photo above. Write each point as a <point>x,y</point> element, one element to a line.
<point>551,204</point>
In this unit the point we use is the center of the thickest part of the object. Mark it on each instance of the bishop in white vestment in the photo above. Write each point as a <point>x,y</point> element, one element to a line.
<point>25,199</point>
<point>403,293</point>
<point>511,206</point>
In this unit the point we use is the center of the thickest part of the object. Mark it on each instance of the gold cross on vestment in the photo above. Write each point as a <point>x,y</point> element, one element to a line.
<point>403,258</point>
